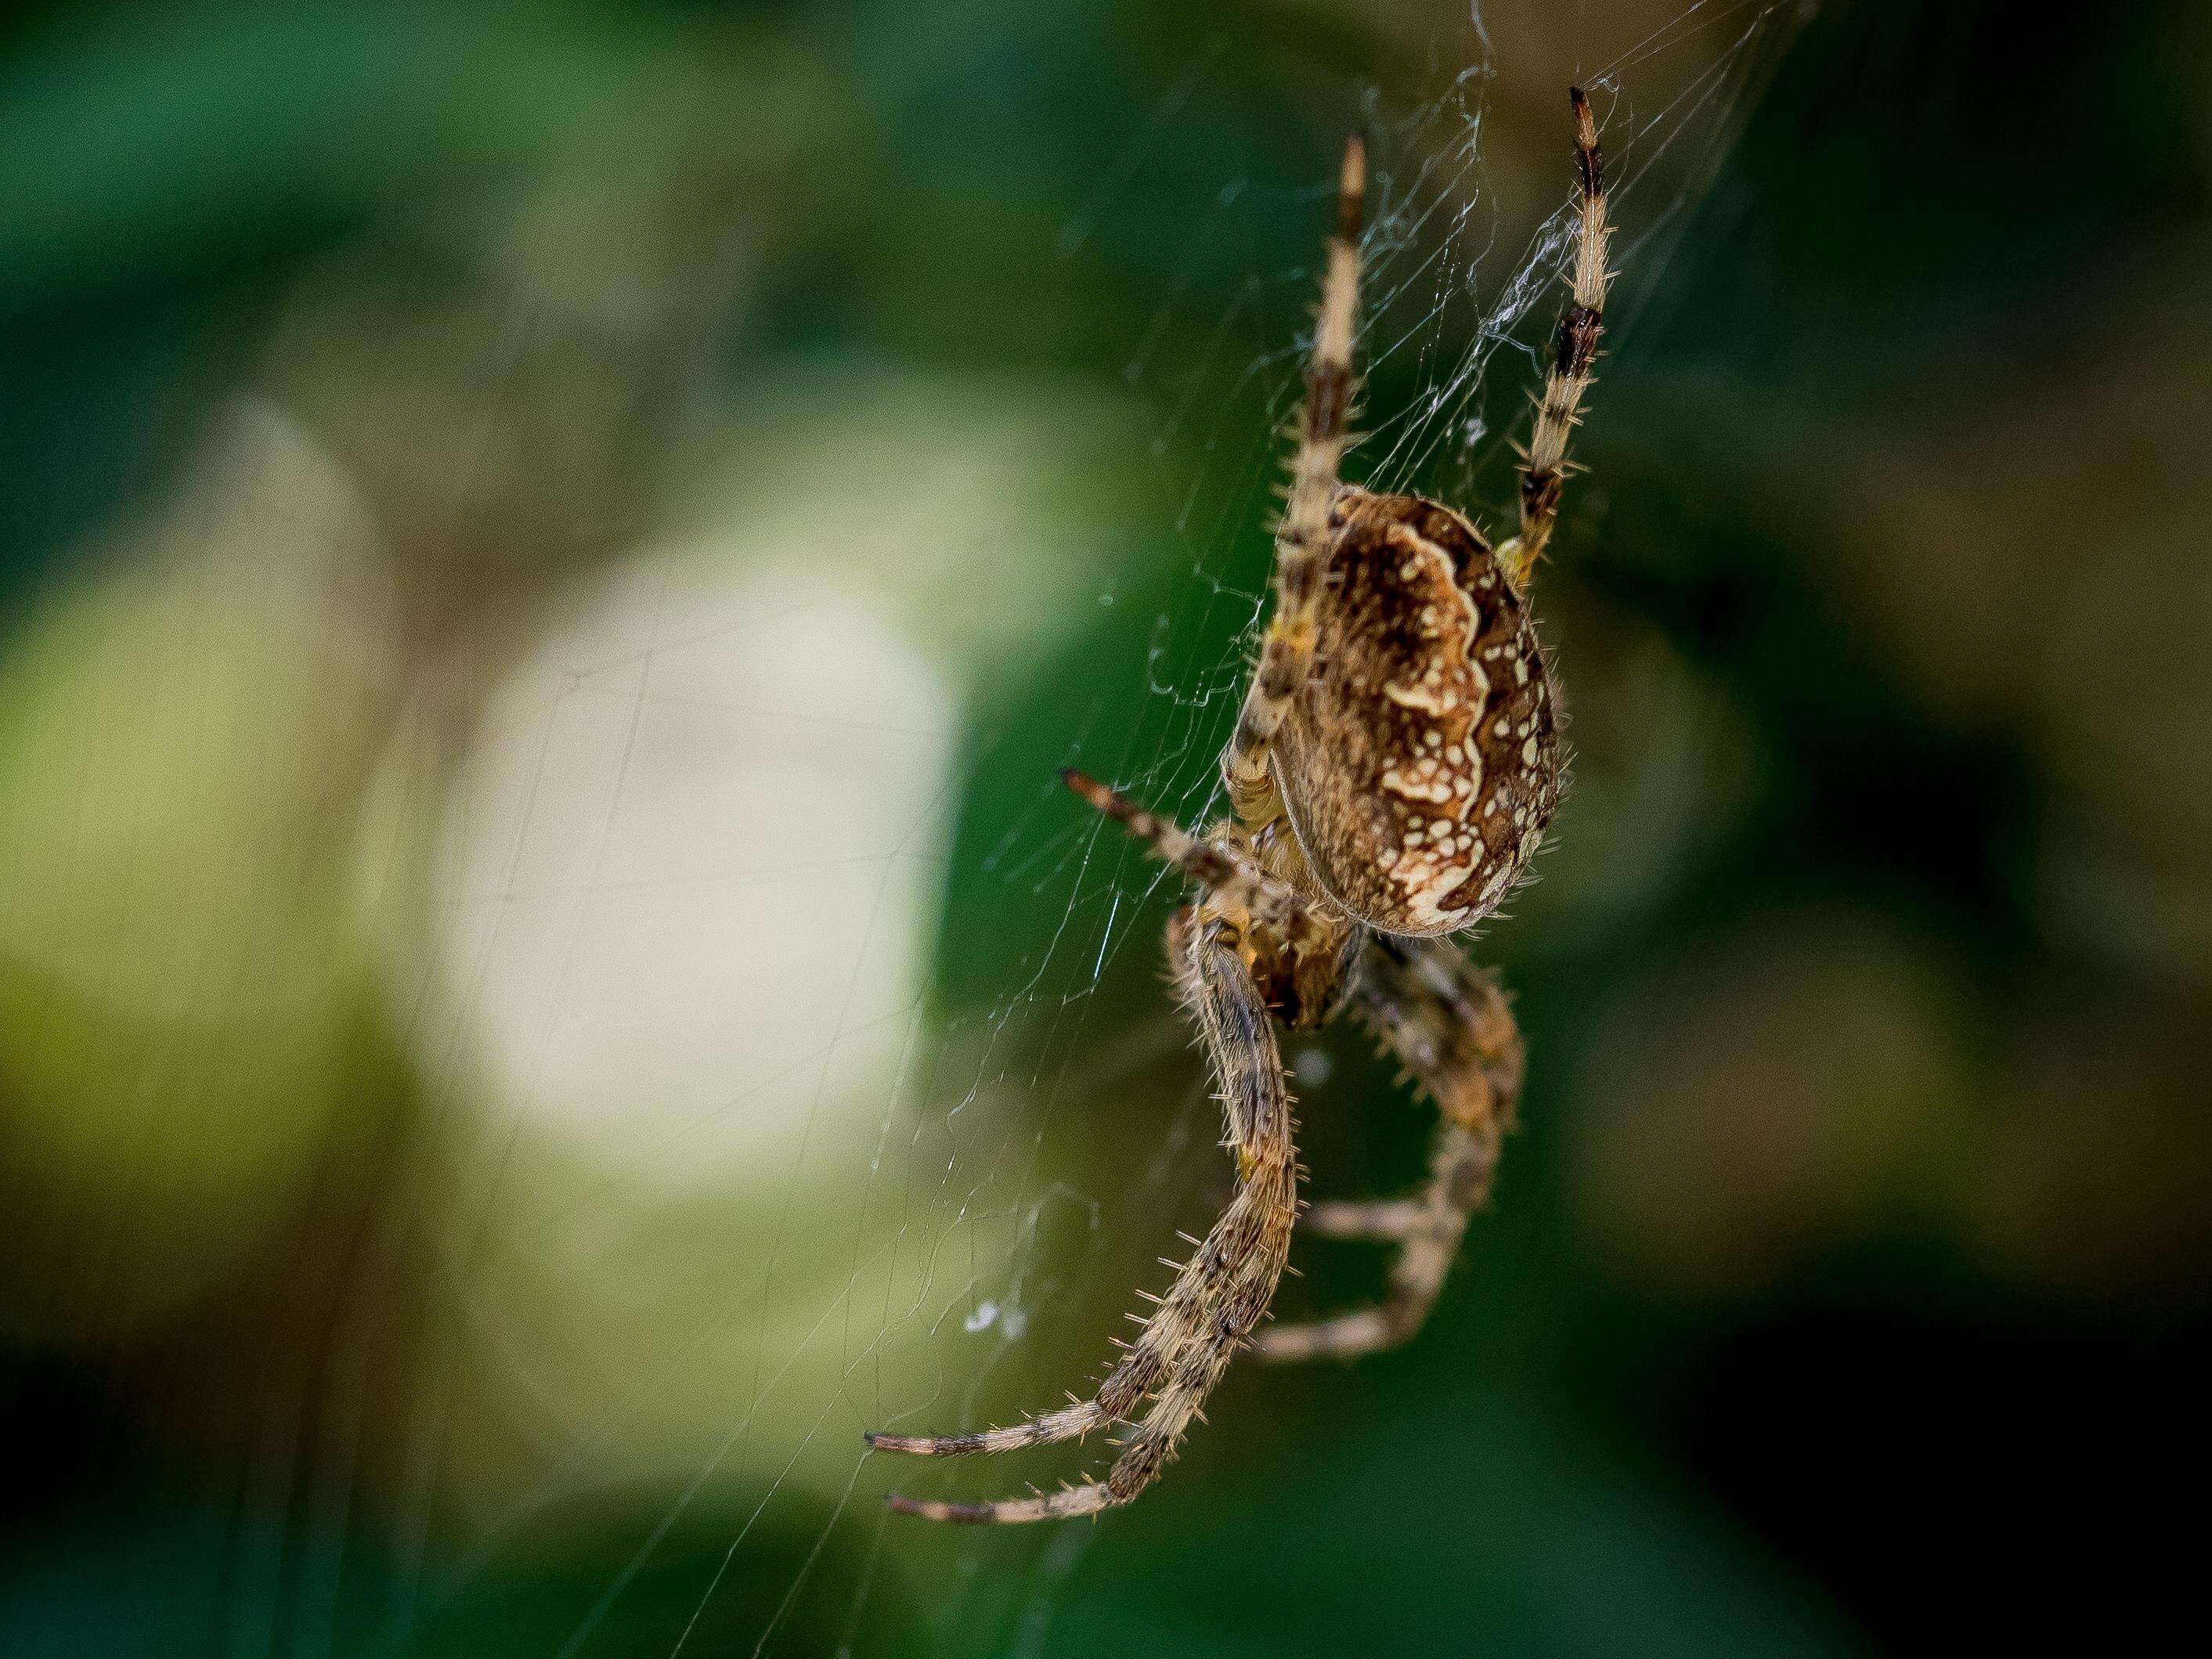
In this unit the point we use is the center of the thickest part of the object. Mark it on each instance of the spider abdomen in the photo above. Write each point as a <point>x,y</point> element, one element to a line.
<point>1419,764</point>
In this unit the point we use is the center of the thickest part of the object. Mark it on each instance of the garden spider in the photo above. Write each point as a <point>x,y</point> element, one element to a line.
<point>1394,764</point>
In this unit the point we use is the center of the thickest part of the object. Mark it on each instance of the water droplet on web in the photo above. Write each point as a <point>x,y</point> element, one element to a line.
<point>1012,1320</point>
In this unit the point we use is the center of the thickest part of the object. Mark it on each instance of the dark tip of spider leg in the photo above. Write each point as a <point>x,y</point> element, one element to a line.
<point>1588,164</point>
<point>1112,803</point>
<point>1351,189</point>
<point>1097,795</point>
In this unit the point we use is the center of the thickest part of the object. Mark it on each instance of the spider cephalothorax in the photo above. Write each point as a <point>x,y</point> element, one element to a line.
<point>1394,767</point>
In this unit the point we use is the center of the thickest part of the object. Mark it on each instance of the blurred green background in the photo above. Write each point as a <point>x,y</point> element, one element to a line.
<point>551,552</point>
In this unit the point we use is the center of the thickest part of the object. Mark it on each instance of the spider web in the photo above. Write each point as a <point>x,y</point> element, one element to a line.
<point>873,1112</point>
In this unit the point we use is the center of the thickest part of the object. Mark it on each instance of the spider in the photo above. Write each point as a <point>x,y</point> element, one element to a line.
<point>1393,768</point>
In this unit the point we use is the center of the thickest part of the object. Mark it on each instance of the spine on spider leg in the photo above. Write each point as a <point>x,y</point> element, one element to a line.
<point>1428,1231</point>
<point>1574,350</point>
<point>1286,653</point>
<point>1451,1025</point>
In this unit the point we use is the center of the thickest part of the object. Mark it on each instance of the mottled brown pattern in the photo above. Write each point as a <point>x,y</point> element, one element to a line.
<point>1420,762</point>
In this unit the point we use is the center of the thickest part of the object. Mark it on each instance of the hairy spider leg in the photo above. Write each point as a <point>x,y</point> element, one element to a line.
<point>1544,466</point>
<point>1450,1026</point>
<point>1226,872</point>
<point>1286,651</point>
<point>1218,1294</point>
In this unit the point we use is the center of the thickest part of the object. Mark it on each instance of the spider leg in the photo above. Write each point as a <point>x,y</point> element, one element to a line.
<point>1227,873</point>
<point>1218,1294</point>
<point>1544,469</point>
<point>1451,1025</point>
<point>1286,651</point>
